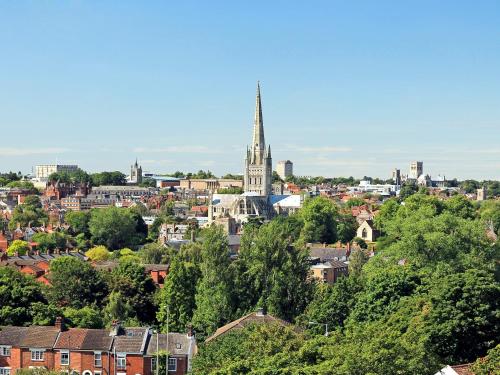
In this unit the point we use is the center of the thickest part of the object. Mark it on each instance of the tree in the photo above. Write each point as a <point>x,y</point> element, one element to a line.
<point>178,295</point>
<point>319,215</point>
<point>489,364</point>
<point>136,288</point>
<point>108,178</point>
<point>78,221</point>
<point>86,317</point>
<point>30,212</point>
<point>346,228</point>
<point>360,242</point>
<point>18,294</point>
<point>154,253</point>
<point>331,305</point>
<point>113,227</point>
<point>276,178</point>
<point>274,273</point>
<point>117,309</point>
<point>48,242</point>
<point>407,190</point>
<point>354,202</point>
<point>464,319</point>
<point>214,291</point>
<point>75,283</point>
<point>98,253</point>
<point>18,247</point>
<point>357,260</point>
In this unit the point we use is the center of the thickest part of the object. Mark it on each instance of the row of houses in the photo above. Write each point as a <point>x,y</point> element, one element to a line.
<point>82,351</point>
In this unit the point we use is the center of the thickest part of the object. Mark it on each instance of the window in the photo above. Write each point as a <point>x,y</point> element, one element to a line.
<point>153,363</point>
<point>4,370</point>
<point>172,364</point>
<point>121,360</point>
<point>37,354</point>
<point>178,345</point>
<point>97,372</point>
<point>97,359</point>
<point>64,357</point>
<point>364,233</point>
<point>5,350</point>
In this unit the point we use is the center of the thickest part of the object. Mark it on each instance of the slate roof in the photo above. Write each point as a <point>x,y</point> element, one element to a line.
<point>328,253</point>
<point>178,343</point>
<point>133,340</point>
<point>29,337</point>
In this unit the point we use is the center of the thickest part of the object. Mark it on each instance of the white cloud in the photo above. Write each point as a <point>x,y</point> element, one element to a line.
<point>31,151</point>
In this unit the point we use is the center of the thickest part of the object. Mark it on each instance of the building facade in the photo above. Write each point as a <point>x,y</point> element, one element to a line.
<point>416,169</point>
<point>284,168</point>
<point>135,173</point>
<point>42,172</point>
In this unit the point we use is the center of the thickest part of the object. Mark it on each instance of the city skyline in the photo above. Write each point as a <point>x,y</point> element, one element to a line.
<point>173,85</point>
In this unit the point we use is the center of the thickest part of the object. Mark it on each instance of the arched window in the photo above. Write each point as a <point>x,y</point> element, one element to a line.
<point>364,233</point>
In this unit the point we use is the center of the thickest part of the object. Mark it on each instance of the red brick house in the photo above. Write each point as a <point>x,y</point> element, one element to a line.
<point>119,351</point>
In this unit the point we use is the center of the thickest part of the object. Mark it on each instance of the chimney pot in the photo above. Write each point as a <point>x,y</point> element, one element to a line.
<point>260,311</point>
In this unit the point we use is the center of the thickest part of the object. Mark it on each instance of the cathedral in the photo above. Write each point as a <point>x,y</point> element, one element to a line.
<point>257,199</point>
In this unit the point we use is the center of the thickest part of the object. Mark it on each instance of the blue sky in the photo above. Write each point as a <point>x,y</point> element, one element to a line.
<point>348,87</point>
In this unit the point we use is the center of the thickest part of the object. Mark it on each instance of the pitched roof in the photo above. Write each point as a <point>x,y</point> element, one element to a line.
<point>178,343</point>
<point>328,253</point>
<point>29,337</point>
<point>71,339</point>
<point>133,340</point>
<point>242,322</point>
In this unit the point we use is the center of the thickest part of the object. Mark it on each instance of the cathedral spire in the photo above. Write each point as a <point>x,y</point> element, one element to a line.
<point>258,126</point>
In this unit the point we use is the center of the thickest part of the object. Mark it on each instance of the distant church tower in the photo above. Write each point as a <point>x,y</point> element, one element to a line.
<point>135,173</point>
<point>258,162</point>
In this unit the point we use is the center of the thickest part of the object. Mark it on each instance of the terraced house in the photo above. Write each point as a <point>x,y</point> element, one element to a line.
<point>82,351</point>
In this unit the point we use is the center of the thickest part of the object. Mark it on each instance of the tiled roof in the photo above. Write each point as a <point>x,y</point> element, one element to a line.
<point>133,340</point>
<point>71,339</point>
<point>328,253</point>
<point>29,337</point>
<point>97,339</point>
<point>462,369</point>
<point>244,321</point>
<point>178,343</point>
<point>12,335</point>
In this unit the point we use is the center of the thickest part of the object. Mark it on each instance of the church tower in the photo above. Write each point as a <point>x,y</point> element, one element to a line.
<point>258,162</point>
<point>135,173</point>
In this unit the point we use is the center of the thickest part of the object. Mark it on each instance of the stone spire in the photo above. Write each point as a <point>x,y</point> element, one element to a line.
<point>259,144</point>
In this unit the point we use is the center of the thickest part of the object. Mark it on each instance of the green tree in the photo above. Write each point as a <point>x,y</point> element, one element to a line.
<point>78,222</point>
<point>354,202</point>
<point>489,364</point>
<point>274,273</point>
<point>154,253</point>
<point>48,242</point>
<point>18,295</point>
<point>136,288</point>
<point>86,317</point>
<point>19,247</point>
<point>118,309</point>
<point>108,178</point>
<point>113,227</point>
<point>464,317</point>
<point>346,228</point>
<point>75,283</point>
<point>319,216</point>
<point>357,260</point>
<point>98,253</point>
<point>178,295</point>
<point>30,212</point>
<point>213,293</point>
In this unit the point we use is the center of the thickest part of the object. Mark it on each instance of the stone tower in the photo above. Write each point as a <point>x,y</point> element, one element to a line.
<point>135,173</point>
<point>258,161</point>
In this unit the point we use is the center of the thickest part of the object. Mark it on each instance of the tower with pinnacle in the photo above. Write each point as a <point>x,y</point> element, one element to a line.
<point>258,161</point>
<point>135,173</point>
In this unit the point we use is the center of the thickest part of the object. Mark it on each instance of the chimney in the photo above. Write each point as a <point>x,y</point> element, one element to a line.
<point>190,331</point>
<point>115,328</point>
<point>59,324</point>
<point>260,311</point>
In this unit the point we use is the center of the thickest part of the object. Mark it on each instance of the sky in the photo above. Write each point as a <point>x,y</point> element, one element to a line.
<point>349,88</point>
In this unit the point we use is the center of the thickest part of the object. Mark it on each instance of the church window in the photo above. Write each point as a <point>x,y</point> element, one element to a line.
<point>364,233</point>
